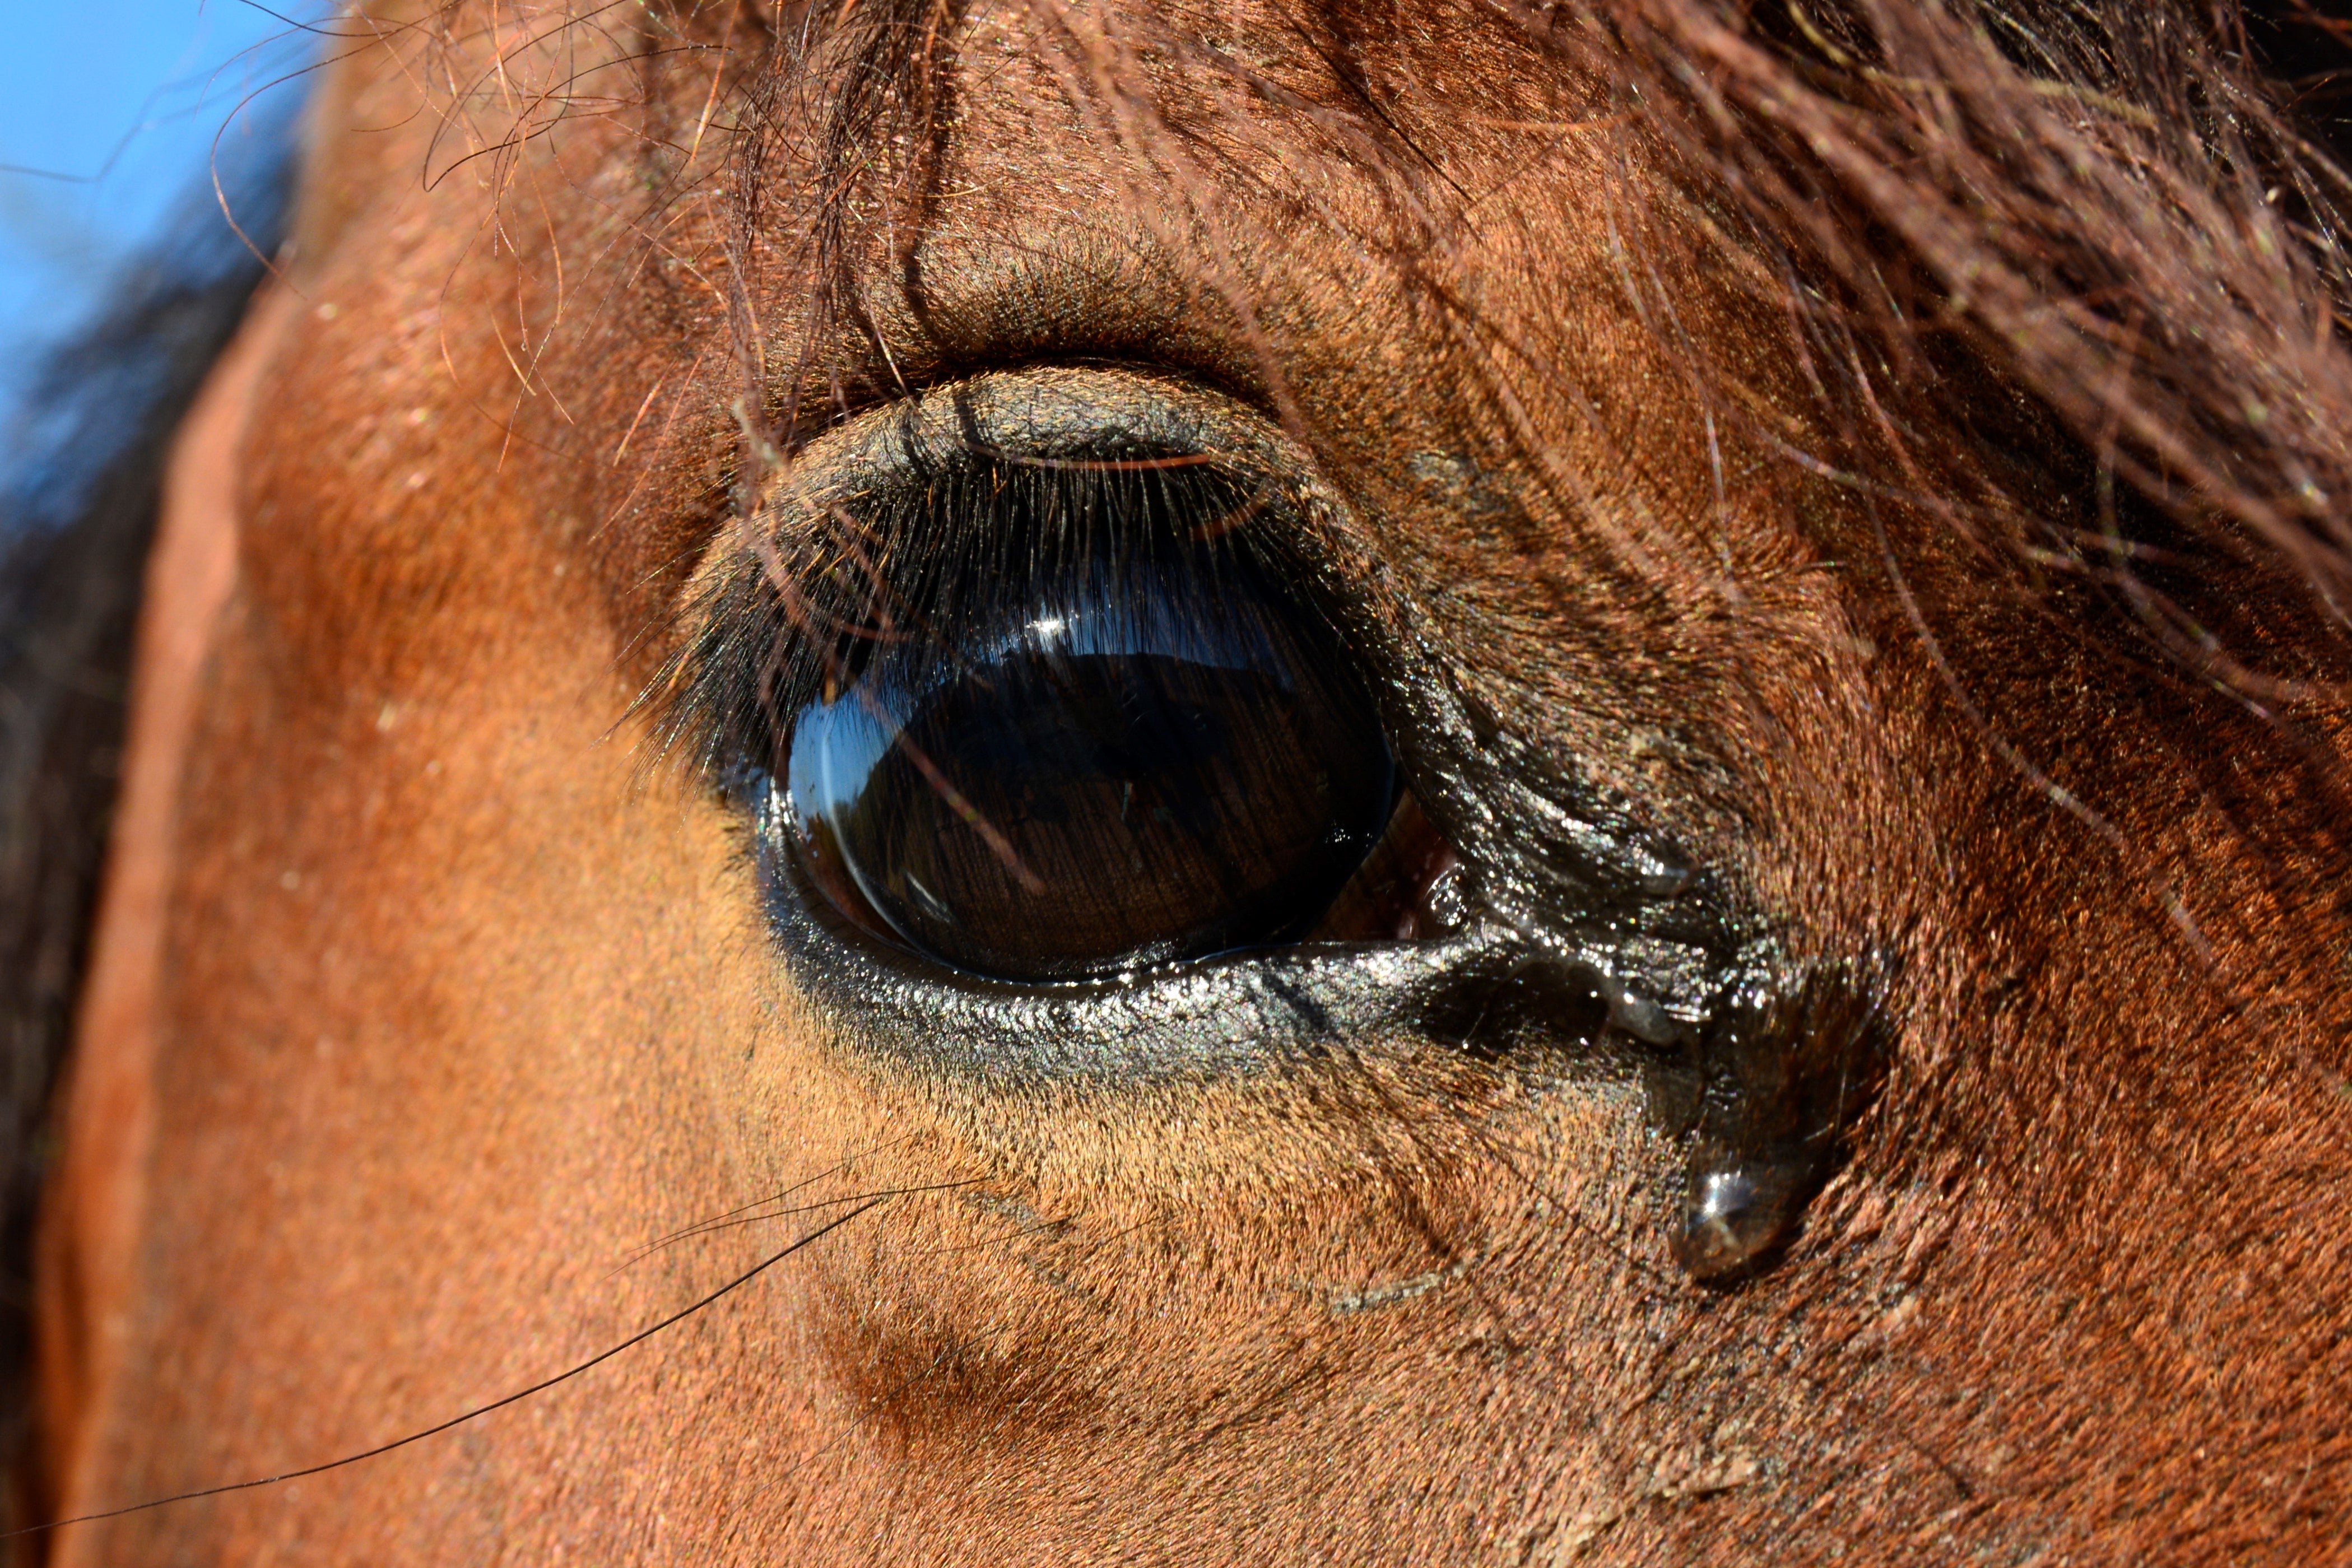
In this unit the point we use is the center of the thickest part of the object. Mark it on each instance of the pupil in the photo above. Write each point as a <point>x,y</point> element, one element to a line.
<point>1136,749</point>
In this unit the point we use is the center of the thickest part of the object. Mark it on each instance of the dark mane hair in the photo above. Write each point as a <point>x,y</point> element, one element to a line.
<point>2129,213</point>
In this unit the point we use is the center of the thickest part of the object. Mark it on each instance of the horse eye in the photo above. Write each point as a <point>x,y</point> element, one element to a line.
<point>1119,742</point>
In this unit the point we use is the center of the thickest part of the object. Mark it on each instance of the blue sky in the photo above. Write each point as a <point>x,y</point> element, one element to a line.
<point>108,114</point>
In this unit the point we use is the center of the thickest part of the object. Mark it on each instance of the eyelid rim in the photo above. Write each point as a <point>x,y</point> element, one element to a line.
<point>1234,1013</point>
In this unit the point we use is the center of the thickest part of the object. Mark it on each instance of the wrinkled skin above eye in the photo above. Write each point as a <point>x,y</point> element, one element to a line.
<point>1125,746</point>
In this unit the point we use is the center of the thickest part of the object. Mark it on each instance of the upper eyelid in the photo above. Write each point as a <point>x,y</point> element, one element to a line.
<point>704,704</point>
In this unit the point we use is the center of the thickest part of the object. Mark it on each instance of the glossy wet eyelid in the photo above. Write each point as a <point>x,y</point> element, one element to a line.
<point>755,610</point>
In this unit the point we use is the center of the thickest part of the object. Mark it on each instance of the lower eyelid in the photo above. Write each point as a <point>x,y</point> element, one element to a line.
<point>1239,1013</point>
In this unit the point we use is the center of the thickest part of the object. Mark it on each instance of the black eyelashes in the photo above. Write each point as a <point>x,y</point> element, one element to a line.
<point>1041,684</point>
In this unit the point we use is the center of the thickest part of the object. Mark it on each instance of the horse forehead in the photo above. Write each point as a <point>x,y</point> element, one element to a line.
<point>1269,255</point>
<point>1363,282</point>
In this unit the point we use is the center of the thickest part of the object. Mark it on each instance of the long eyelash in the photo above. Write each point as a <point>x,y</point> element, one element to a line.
<point>796,613</point>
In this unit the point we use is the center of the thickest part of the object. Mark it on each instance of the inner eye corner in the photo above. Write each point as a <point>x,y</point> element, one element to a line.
<point>1412,885</point>
<point>1069,707</point>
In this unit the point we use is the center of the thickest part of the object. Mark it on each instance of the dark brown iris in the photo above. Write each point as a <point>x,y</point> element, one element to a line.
<point>1146,751</point>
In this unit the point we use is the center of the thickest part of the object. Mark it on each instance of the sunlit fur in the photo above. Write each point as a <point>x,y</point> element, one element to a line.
<point>1900,450</point>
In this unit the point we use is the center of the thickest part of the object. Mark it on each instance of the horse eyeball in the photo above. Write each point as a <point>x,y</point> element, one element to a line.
<point>1134,747</point>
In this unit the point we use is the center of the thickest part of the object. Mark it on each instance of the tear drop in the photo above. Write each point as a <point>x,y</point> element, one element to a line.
<point>1738,1210</point>
<point>1789,1060</point>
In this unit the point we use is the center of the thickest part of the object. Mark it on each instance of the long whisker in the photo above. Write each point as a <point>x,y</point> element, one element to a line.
<point>735,1220</point>
<point>638,1338</point>
<point>840,1168</point>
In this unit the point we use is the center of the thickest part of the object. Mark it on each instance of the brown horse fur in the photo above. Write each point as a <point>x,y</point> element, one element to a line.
<point>1897,449</point>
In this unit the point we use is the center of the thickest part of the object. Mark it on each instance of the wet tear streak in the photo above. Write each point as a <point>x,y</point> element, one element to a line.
<point>1763,1096</point>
